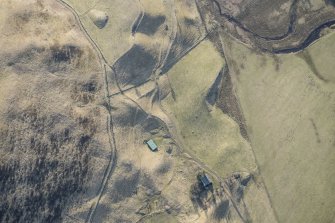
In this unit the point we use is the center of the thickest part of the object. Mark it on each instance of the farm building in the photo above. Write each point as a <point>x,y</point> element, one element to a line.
<point>206,182</point>
<point>152,145</point>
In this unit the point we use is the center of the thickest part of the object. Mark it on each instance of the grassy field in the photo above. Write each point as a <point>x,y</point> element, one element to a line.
<point>290,112</point>
<point>115,38</point>
<point>322,55</point>
<point>208,134</point>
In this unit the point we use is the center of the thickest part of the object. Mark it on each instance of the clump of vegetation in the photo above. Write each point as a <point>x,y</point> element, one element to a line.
<point>237,184</point>
<point>61,56</point>
<point>222,210</point>
<point>164,168</point>
<point>44,164</point>
<point>201,197</point>
<point>332,2</point>
<point>125,187</point>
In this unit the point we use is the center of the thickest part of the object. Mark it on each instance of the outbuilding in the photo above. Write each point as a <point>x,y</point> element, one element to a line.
<point>152,145</point>
<point>206,182</point>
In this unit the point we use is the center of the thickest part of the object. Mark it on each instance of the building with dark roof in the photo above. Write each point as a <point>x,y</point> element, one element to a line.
<point>205,181</point>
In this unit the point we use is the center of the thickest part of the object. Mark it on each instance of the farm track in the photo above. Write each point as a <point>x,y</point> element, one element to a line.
<point>171,127</point>
<point>110,126</point>
<point>138,20</point>
<point>184,53</point>
<point>174,32</point>
<point>223,181</point>
<point>253,152</point>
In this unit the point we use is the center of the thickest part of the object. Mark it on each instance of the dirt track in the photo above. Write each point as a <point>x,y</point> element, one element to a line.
<point>111,164</point>
<point>109,126</point>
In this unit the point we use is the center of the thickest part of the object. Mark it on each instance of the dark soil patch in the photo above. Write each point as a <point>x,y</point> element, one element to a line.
<point>164,168</point>
<point>214,91</point>
<point>228,102</point>
<point>101,213</point>
<point>126,114</point>
<point>134,67</point>
<point>221,210</point>
<point>152,125</point>
<point>125,187</point>
<point>147,182</point>
<point>60,56</point>
<point>332,2</point>
<point>89,87</point>
<point>150,24</point>
<point>189,22</point>
<point>85,91</point>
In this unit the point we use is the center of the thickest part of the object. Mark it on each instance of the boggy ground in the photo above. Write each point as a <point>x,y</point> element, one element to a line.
<point>277,27</point>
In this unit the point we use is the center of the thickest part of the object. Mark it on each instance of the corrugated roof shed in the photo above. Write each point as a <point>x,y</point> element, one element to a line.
<point>152,145</point>
<point>206,182</point>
